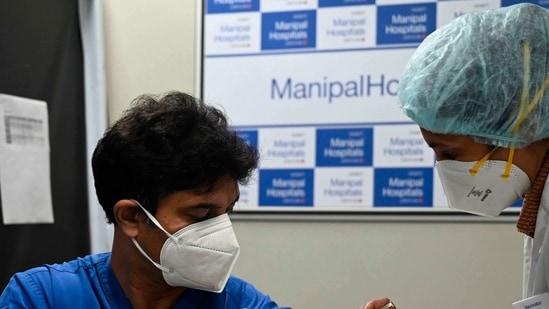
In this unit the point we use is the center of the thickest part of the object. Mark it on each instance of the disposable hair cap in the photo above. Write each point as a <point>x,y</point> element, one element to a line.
<point>485,74</point>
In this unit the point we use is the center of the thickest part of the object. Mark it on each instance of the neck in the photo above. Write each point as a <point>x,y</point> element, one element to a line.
<point>141,281</point>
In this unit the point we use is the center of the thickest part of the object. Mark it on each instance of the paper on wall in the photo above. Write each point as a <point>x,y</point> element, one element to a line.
<point>25,183</point>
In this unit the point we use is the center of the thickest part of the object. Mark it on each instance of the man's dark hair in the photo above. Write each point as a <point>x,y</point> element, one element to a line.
<point>165,144</point>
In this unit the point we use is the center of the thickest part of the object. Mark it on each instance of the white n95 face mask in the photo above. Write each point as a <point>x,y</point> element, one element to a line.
<point>486,193</point>
<point>199,256</point>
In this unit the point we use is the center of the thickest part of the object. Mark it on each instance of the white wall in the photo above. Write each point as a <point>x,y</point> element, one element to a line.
<point>150,48</point>
<point>419,265</point>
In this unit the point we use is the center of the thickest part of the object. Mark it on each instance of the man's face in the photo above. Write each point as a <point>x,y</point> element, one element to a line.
<point>186,207</point>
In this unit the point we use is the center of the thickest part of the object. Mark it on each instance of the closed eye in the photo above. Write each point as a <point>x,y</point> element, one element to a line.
<point>447,155</point>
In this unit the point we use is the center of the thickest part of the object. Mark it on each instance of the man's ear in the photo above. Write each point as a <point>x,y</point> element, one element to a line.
<point>128,216</point>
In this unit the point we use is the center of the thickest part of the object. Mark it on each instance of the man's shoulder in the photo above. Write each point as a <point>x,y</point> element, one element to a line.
<point>70,284</point>
<point>239,285</point>
<point>243,294</point>
<point>78,269</point>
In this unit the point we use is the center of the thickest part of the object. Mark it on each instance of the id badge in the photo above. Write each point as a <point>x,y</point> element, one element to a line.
<point>540,301</point>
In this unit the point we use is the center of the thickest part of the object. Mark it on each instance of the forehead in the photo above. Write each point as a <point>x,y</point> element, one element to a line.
<point>456,147</point>
<point>223,194</point>
<point>437,139</point>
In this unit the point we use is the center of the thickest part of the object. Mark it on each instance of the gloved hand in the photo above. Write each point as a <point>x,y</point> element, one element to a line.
<point>381,303</point>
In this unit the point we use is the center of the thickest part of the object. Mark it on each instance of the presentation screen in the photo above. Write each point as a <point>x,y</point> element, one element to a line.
<point>312,84</point>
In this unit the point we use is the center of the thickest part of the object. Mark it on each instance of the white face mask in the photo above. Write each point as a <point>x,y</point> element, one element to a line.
<point>486,193</point>
<point>199,256</point>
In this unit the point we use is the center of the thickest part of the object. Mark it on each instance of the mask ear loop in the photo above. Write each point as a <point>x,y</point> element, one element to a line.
<point>509,164</point>
<point>528,109</point>
<point>525,109</point>
<point>525,82</point>
<point>159,266</point>
<point>474,170</point>
<point>153,219</point>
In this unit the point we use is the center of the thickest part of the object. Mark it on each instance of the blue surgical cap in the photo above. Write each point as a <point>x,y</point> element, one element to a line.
<point>484,75</point>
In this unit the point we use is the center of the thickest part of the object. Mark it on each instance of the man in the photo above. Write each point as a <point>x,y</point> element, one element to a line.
<point>166,174</point>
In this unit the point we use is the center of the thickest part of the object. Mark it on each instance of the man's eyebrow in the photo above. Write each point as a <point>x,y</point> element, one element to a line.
<point>204,206</point>
<point>210,205</point>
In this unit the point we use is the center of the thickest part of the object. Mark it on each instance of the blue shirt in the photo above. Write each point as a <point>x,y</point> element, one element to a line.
<point>89,282</point>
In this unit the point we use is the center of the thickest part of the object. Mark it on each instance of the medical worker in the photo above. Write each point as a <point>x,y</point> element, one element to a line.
<point>477,88</point>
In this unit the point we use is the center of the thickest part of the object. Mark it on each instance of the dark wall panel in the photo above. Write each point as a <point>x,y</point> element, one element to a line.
<point>41,58</point>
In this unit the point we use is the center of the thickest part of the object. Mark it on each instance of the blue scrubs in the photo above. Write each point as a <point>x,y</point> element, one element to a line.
<point>89,282</point>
